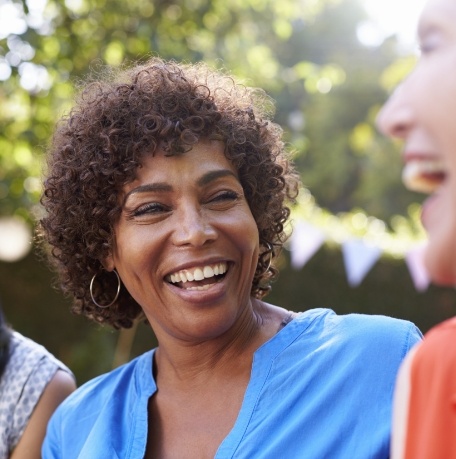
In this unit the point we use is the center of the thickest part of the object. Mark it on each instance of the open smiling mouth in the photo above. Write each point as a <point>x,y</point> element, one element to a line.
<point>201,278</point>
<point>423,175</point>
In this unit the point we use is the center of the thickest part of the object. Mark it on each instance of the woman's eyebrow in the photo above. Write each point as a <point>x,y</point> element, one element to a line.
<point>148,188</point>
<point>161,186</point>
<point>214,175</point>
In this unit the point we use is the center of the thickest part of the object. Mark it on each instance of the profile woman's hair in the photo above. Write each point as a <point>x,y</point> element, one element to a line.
<point>5,337</point>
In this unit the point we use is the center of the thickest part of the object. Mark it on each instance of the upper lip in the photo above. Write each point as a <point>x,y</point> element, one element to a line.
<point>420,156</point>
<point>428,157</point>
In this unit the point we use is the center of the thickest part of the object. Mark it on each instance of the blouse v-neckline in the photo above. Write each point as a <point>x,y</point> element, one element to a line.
<point>263,359</point>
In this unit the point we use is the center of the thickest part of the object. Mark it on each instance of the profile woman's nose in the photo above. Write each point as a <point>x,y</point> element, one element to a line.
<point>395,118</point>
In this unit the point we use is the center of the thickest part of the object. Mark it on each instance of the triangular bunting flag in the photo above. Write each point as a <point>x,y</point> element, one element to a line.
<point>305,241</point>
<point>415,263</point>
<point>359,257</point>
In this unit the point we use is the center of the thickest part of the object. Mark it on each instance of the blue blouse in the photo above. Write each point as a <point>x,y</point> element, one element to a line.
<point>320,388</point>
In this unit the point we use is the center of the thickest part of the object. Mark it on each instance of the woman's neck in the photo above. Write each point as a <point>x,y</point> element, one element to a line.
<point>225,356</point>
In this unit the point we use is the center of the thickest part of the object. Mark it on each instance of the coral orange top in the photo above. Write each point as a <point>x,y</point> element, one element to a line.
<point>424,424</point>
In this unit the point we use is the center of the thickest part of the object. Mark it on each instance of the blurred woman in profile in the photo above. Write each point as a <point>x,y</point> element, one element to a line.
<point>422,112</point>
<point>32,384</point>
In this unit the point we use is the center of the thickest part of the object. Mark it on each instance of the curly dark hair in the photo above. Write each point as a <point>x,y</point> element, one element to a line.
<point>99,146</point>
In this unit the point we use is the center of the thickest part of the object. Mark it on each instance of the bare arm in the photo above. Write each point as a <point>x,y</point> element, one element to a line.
<point>58,388</point>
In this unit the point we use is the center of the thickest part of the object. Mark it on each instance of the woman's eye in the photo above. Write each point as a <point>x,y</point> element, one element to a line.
<point>426,48</point>
<point>430,42</point>
<point>225,196</point>
<point>149,209</point>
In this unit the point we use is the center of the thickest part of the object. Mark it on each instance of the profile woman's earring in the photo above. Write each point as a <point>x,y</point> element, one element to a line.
<point>101,306</point>
<point>271,255</point>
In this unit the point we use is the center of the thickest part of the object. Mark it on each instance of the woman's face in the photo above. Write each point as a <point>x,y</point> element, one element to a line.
<point>186,244</point>
<point>422,112</point>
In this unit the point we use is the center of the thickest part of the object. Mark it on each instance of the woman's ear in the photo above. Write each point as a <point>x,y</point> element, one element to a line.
<point>108,263</point>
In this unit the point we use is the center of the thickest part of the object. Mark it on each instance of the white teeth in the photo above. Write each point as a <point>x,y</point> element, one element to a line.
<point>198,274</point>
<point>423,175</point>
<point>208,272</point>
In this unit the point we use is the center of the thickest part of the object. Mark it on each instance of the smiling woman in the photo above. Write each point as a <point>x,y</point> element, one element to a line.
<point>166,197</point>
<point>196,202</point>
<point>421,112</point>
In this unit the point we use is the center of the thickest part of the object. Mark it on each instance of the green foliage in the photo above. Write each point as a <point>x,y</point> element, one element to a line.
<point>328,88</point>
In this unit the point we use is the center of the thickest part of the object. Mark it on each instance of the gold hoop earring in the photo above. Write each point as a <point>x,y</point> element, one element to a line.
<point>271,255</point>
<point>115,298</point>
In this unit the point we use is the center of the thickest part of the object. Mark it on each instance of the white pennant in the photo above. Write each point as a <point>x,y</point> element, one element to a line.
<point>359,257</point>
<point>415,263</point>
<point>305,241</point>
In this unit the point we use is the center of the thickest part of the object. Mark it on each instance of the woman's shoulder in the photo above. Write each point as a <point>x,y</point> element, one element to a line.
<point>134,376</point>
<point>442,333</point>
<point>103,406</point>
<point>355,322</point>
<point>374,330</point>
<point>437,353</point>
<point>380,324</point>
<point>29,363</point>
<point>26,352</point>
<point>22,347</point>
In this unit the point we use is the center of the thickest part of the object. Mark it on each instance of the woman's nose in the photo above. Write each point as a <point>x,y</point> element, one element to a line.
<point>194,228</point>
<point>396,118</point>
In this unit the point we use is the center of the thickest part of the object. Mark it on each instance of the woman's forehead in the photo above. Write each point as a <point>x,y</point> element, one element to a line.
<point>441,11</point>
<point>203,156</point>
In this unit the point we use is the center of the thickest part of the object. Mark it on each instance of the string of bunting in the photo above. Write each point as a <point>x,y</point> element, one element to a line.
<point>362,240</point>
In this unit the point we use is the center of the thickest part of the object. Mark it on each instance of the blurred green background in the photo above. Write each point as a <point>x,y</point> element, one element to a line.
<point>328,86</point>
